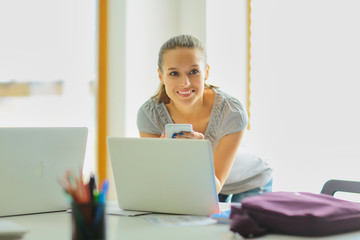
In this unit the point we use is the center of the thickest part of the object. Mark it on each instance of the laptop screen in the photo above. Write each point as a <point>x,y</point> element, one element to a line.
<point>164,175</point>
<point>31,161</point>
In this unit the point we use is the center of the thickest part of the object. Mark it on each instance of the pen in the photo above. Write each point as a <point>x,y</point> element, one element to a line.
<point>101,201</point>
<point>92,187</point>
<point>103,192</point>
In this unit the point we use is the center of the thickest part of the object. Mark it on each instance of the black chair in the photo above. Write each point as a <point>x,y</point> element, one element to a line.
<point>332,186</point>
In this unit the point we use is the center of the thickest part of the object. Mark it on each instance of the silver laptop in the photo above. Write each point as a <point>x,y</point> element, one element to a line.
<point>31,161</point>
<point>164,175</point>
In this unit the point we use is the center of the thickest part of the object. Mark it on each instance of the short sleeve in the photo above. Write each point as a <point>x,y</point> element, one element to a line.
<point>234,117</point>
<point>148,120</point>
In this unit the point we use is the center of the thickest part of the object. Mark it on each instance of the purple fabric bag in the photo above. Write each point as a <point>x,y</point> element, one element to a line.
<point>294,213</point>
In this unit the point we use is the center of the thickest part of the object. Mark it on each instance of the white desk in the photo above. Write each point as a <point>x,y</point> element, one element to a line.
<point>57,226</point>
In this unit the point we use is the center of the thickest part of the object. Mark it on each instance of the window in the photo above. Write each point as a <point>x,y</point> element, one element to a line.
<point>48,65</point>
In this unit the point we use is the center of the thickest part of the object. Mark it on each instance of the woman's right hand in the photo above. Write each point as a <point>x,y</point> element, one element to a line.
<point>163,135</point>
<point>189,135</point>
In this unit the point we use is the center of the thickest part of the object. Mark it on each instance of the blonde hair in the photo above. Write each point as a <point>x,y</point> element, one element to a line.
<point>180,41</point>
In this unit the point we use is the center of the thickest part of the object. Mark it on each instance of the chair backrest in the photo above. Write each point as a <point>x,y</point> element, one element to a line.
<point>332,186</point>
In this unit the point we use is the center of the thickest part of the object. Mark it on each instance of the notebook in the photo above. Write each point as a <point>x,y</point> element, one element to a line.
<point>164,175</point>
<point>31,161</point>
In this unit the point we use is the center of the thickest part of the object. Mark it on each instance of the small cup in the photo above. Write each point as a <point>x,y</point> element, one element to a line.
<point>88,221</point>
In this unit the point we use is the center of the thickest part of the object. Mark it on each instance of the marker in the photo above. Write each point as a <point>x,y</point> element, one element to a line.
<point>91,187</point>
<point>104,190</point>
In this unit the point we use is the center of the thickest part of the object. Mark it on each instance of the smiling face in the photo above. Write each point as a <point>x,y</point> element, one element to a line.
<point>183,74</point>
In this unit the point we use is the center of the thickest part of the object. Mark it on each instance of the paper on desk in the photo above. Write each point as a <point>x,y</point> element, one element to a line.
<point>179,220</point>
<point>121,212</point>
<point>112,208</point>
<point>11,230</point>
<point>185,220</point>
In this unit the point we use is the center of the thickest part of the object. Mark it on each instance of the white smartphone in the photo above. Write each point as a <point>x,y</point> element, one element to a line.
<point>170,129</point>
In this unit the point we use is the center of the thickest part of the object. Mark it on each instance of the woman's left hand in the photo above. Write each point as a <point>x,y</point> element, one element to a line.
<point>189,135</point>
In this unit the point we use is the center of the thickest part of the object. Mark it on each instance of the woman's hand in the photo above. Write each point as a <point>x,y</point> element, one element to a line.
<point>163,135</point>
<point>188,135</point>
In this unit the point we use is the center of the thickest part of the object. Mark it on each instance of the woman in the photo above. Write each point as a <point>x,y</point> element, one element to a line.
<point>185,97</point>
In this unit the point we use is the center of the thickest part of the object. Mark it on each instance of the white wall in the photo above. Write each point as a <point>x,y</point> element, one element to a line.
<point>305,82</point>
<point>226,38</point>
<point>192,18</point>
<point>116,67</point>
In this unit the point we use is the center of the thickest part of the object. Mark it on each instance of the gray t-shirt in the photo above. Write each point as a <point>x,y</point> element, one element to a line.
<point>228,116</point>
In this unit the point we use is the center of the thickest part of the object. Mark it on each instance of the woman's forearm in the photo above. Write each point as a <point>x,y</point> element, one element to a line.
<point>218,185</point>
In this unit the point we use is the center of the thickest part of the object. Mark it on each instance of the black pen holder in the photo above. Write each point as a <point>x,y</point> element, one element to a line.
<point>88,221</point>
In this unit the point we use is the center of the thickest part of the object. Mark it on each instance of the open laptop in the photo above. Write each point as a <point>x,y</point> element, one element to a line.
<point>31,162</point>
<point>164,175</point>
